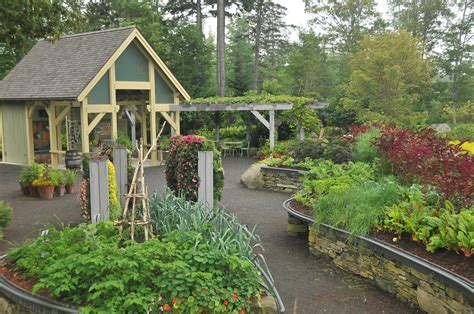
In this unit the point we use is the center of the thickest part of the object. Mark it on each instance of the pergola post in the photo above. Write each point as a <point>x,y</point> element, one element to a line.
<point>84,127</point>
<point>53,141</point>
<point>143,112</point>
<point>29,132</point>
<point>113,101</point>
<point>300,131</point>
<point>272,128</point>
<point>176,116</point>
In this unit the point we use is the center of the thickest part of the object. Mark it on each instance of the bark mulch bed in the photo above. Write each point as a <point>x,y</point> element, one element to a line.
<point>450,260</point>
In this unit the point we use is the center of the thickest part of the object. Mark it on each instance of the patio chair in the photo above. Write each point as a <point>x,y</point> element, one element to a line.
<point>246,149</point>
<point>225,149</point>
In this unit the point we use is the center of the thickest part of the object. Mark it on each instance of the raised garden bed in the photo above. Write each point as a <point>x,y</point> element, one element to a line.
<point>414,279</point>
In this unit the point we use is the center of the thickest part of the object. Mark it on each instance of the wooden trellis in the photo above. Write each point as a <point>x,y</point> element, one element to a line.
<point>138,195</point>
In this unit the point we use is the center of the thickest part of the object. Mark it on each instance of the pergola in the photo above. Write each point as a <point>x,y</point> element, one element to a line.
<point>254,108</point>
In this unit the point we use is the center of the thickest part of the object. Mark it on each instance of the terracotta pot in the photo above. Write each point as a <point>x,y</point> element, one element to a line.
<point>46,192</point>
<point>70,188</point>
<point>61,190</point>
<point>25,188</point>
<point>33,191</point>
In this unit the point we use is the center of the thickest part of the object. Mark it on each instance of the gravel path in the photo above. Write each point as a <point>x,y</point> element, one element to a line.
<point>306,284</point>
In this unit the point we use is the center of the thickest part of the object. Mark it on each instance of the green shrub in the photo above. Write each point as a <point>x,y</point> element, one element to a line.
<point>5,216</point>
<point>327,176</point>
<point>364,149</point>
<point>124,140</point>
<point>338,150</point>
<point>86,266</point>
<point>70,176</point>
<point>357,208</point>
<point>462,132</point>
<point>233,132</point>
<point>309,148</point>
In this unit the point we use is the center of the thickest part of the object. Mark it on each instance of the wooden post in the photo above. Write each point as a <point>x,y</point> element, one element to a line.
<point>53,140</point>
<point>144,114</point>
<point>59,144</point>
<point>84,127</point>
<point>119,154</point>
<point>176,116</point>
<point>206,177</point>
<point>272,128</point>
<point>99,190</point>
<point>300,131</point>
<point>113,101</point>
<point>29,110</point>
<point>151,79</point>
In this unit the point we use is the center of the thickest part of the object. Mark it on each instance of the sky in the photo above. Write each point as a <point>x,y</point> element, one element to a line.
<point>295,15</point>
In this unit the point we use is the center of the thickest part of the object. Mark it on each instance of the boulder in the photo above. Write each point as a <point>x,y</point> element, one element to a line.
<point>441,128</point>
<point>252,178</point>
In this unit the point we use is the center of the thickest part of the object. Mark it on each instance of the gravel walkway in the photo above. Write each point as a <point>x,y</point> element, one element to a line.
<point>306,284</point>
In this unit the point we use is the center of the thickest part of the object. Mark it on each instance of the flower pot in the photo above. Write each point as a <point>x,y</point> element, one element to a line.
<point>61,190</point>
<point>33,191</point>
<point>46,192</point>
<point>25,188</point>
<point>70,188</point>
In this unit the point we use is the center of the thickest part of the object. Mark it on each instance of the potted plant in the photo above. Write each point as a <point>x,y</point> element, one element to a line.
<point>25,181</point>
<point>45,188</point>
<point>58,178</point>
<point>28,175</point>
<point>70,180</point>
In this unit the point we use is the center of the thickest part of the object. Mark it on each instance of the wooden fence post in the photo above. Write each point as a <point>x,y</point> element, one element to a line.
<point>206,177</point>
<point>119,154</point>
<point>99,189</point>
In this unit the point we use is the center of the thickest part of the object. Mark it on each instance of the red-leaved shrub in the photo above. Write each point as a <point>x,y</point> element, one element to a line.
<point>424,158</point>
<point>182,165</point>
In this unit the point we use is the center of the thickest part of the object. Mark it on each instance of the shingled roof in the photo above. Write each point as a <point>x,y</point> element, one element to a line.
<point>61,70</point>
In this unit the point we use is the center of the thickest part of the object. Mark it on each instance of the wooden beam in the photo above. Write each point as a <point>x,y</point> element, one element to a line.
<point>84,127</point>
<point>62,115</point>
<point>135,113</point>
<point>132,85</point>
<point>102,108</point>
<point>94,122</point>
<point>113,101</point>
<point>272,129</point>
<point>161,107</point>
<point>228,107</point>
<point>168,119</point>
<point>261,118</point>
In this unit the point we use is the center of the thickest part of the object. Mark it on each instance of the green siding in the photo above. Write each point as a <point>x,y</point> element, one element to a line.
<point>100,93</point>
<point>163,93</point>
<point>14,133</point>
<point>132,65</point>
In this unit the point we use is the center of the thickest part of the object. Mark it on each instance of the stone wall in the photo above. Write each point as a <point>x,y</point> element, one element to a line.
<point>418,288</point>
<point>281,179</point>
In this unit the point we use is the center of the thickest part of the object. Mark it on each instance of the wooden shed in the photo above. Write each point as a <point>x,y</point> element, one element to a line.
<point>83,85</point>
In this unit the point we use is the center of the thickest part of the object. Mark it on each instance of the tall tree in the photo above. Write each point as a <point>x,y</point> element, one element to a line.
<point>239,57</point>
<point>183,9</point>
<point>344,22</point>
<point>424,19</point>
<point>220,48</point>
<point>308,67</point>
<point>388,77</point>
<point>458,57</point>
<point>23,22</point>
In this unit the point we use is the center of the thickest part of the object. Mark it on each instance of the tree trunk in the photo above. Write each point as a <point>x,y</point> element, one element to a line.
<point>220,48</point>
<point>199,16</point>
<point>258,32</point>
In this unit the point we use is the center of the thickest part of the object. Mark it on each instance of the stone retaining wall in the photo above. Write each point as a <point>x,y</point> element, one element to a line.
<point>417,288</point>
<point>281,179</point>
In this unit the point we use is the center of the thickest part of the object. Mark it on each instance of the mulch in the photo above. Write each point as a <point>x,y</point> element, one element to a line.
<point>448,259</point>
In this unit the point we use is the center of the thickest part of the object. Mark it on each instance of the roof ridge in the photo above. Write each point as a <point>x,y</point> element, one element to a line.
<point>94,32</point>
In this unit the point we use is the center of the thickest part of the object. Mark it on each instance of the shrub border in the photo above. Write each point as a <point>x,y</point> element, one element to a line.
<point>461,284</point>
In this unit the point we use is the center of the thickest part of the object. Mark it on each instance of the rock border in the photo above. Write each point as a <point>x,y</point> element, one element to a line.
<point>282,179</point>
<point>412,279</point>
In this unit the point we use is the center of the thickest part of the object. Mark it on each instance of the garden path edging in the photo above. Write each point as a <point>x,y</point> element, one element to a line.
<point>412,279</point>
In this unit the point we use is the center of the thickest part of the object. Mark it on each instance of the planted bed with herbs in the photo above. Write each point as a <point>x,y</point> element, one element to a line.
<point>199,261</point>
